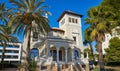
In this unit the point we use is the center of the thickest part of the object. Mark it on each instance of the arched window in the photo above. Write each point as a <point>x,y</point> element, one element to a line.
<point>34,53</point>
<point>76,53</point>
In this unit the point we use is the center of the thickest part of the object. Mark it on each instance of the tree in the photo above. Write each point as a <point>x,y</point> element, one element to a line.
<point>88,40</point>
<point>27,12</point>
<point>2,11</point>
<point>113,52</point>
<point>6,34</point>
<point>115,8</point>
<point>100,20</point>
<point>115,4</point>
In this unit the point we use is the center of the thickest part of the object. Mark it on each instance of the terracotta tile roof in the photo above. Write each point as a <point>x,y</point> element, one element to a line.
<point>57,29</point>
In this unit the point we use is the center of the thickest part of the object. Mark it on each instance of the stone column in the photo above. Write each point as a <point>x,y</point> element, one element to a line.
<point>57,55</point>
<point>66,59</point>
<point>72,54</point>
<point>48,51</point>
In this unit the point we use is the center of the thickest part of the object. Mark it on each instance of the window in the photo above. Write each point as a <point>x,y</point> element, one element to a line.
<point>76,54</point>
<point>16,46</point>
<point>70,20</point>
<point>34,53</point>
<point>16,51</point>
<point>35,36</point>
<point>15,57</point>
<point>63,21</point>
<point>9,46</point>
<point>8,56</point>
<point>73,21</point>
<point>76,20</point>
<point>74,38</point>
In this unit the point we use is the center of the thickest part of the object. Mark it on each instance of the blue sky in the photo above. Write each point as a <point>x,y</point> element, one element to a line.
<point>56,7</point>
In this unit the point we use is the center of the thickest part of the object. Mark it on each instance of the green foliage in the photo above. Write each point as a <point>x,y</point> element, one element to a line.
<point>113,52</point>
<point>32,65</point>
<point>29,14</point>
<point>96,56</point>
<point>101,20</point>
<point>114,6</point>
<point>114,3</point>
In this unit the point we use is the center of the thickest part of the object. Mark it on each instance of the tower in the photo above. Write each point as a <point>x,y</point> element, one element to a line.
<point>71,23</point>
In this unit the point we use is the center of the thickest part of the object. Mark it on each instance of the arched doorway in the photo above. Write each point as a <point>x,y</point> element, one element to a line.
<point>53,53</point>
<point>62,54</point>
<point>34,53</point>
<point>69,54</point>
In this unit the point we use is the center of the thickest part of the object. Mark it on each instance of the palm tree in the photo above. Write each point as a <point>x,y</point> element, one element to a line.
<point>100,20</point>
<point>88,40</point>
<point>4,13</point>
<point>28,11</point>
<point>5,30</point>
<point>6,36</point>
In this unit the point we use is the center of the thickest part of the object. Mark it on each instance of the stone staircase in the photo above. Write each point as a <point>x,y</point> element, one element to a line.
<point>46,64</point>
<point>76,67</point>
<point>54,67</point>
<point>66,67</point>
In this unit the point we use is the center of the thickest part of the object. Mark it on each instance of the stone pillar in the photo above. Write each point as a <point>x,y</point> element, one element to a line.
<point>57,55</point>
<point>48,51</point>
<point>66,55</point>
<point>72,54</point>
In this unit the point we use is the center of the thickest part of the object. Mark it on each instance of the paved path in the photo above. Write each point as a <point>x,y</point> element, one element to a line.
<point>10,69</point>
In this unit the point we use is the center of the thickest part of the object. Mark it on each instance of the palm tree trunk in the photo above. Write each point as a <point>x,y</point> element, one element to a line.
<point>28,48</point>
<point>92,52</point>
<point>101,61</point>
<point>3,54</point>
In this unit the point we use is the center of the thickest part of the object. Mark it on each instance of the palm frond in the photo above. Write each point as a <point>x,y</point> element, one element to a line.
<point>94,33</point>
<point>13,39</point>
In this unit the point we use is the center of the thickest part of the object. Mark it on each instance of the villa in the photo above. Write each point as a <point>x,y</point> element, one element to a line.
<point>62,48</point>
